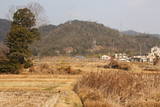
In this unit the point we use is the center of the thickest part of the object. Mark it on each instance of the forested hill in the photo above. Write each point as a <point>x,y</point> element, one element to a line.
<point>83,37</point>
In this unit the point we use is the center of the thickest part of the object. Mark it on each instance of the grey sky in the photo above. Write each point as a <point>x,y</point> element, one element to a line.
<point>139,15</point>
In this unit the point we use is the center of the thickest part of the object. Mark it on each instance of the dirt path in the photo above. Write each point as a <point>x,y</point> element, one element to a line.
<point>52,101</point>
<point>38,91</point>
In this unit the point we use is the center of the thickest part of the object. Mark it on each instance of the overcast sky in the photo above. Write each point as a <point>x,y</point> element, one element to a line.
<point>139,15</point>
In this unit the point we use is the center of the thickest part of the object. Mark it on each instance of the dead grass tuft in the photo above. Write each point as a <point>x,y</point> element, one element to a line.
<point>121,88</point>
<point>93,103</point>
<point>150,103</point>
<point>50,69</point>
<point>94,98</point>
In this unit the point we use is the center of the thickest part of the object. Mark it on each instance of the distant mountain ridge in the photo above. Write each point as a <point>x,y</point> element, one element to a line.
<point>131,32</point>
<point>134,33</point>
<point>4,28</point>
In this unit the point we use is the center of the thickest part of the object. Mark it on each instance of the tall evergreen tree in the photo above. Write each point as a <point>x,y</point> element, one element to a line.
<point>21,35</point>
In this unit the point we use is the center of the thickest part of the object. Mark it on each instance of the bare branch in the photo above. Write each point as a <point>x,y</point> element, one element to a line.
<point>37,10</point>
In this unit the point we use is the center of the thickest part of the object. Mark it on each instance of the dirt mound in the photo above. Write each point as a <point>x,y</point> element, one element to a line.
<point>118,65</point>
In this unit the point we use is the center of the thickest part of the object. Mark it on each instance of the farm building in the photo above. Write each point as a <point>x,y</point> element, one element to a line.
<point>139,59</point>
<point>122,57</point>
<point>105,57</point>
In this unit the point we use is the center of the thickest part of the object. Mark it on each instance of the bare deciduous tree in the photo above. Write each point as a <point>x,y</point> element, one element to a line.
<point>37,10</point>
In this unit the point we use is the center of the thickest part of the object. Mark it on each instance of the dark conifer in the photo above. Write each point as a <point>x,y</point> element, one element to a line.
<point>21,35</point>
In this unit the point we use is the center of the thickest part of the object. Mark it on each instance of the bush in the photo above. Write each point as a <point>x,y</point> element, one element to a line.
<point>28,64</point>
<point>112,64</point>
<point>118,65</point>
<point>8,67</point>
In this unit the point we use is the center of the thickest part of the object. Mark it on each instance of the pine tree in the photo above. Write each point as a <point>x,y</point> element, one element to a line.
<point>21,35</point>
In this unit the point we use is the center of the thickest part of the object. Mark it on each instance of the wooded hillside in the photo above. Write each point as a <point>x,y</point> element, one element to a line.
<point>83,37</point>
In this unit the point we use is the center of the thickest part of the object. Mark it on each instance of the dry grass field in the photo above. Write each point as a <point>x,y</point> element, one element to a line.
<point>39,88</point>
<point>37,91</point>
<point>119,89</point>
<point>63,81</point>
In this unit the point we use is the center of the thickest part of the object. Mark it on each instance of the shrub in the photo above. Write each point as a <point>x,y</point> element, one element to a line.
<point>28,64</point>
<point>8,67</point>
<point>112,64</point>
<point>118,65</point>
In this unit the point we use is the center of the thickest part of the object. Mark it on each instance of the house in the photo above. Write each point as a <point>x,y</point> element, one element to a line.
<point>122,57</point>
<point>139,59</point>
<point>105,57</point>
<point>155,52</point>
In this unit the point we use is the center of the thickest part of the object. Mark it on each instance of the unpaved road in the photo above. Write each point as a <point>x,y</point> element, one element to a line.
<point>38,91</point>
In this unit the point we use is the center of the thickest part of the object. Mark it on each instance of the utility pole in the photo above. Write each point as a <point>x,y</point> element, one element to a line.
<point>113,45</point>
<point>140,49</point>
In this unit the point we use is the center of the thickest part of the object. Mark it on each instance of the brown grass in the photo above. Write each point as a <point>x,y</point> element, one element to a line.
<point>37,90</point>
<point>53,69</point>
<point>135,67</point>
<point>122,88</point>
